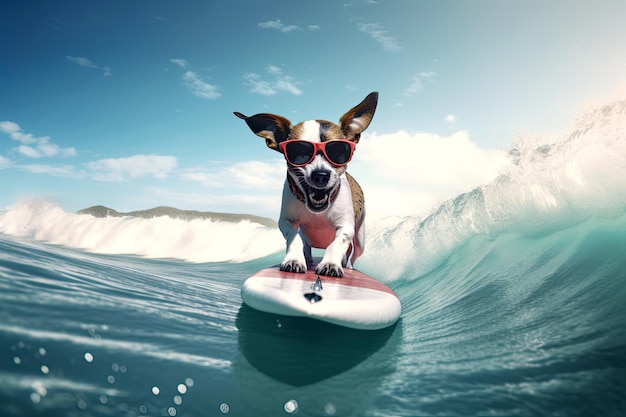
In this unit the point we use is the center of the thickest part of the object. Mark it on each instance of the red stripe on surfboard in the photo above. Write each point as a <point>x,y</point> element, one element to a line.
<point>351,278</point>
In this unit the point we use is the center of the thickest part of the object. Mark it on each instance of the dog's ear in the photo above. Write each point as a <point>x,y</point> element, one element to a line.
<point>274,129</point>
<point>358,118</point>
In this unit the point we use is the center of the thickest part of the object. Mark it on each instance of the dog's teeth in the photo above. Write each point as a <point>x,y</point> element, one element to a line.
<point>318,202</point>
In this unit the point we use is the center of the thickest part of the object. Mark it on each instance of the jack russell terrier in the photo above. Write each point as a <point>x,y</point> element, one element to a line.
<point>323,206</point>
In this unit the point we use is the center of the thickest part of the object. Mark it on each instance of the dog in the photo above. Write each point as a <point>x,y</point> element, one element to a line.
<point>323,206</point>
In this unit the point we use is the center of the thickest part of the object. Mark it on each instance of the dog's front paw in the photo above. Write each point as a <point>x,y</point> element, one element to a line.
<point>329,269</point>
<point>293,266</point>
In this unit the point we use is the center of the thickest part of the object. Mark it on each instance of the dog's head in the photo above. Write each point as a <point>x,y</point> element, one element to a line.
<point>317,151</point>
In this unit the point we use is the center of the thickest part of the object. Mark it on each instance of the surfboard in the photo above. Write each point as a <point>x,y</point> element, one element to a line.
<point>356,300</point>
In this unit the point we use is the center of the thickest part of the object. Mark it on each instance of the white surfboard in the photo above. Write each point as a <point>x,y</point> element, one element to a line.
<point>357,300</point>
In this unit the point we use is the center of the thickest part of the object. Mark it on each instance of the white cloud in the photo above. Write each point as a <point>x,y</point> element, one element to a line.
<point>195,83</point>
<point>376,31</point>
<point>28,151</point>
<point>417,84</point>
<point>81,61</point>
<point>279,82</point>
<point>121,169</point>
<point>273,69</point>
<point>255,175</point>
<point>87,63</point>
<point>32,146</point>
<point>53,170</point>
<point>14,130</point>
<point>288,85</point>
<point>260,204</point>
<point>405,173</point>
<point>199,87</point>
<point>250,186</point>
<point>257,85</point>
<point>45,149</point>
<point>276,24</point>
<point>4,162</point>
<point>180,62</point>
<point>449,118</point>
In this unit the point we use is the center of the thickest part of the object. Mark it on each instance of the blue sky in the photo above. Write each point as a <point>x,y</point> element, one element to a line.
<point>129,104</point>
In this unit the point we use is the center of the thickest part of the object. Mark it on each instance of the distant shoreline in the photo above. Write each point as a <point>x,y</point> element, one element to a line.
<point>102,211</point>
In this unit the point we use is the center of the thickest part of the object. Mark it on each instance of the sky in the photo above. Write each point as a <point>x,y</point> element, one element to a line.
<point>129,104</point>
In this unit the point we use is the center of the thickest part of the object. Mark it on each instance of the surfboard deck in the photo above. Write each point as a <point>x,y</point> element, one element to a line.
<point>356,300</point>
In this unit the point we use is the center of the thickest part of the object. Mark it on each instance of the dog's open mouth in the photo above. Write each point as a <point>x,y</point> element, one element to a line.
<point>319,200</point>
<point>316,199</point>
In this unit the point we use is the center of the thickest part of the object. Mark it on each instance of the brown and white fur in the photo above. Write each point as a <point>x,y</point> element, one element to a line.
<point>323,206</point>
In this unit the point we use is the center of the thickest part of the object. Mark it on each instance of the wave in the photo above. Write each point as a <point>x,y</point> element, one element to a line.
<point>550,184</point>
<point>196,240</point>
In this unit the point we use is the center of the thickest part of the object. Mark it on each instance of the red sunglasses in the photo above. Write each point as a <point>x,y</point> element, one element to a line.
<point>301,152</point>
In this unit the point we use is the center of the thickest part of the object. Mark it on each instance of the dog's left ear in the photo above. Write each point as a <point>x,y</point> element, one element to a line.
<point>358,118</point>
<point>273,128</point>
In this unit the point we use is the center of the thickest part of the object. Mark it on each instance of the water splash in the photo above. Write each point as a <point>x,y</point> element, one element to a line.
<point>198,240</point>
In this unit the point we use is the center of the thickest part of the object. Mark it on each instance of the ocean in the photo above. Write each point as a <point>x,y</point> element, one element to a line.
<point>513,295</point>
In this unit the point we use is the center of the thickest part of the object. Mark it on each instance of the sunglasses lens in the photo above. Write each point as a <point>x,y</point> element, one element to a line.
<point>299,152</point>
<point>338,152</point>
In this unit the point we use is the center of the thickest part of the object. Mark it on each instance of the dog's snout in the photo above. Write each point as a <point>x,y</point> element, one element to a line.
<point>320,178</point>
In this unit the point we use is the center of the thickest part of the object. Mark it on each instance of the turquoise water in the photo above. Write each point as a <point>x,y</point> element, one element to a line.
<point>513,304</point>
<point>509,326</point>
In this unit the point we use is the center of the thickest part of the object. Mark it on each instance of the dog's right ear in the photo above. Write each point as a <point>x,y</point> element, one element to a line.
<point>273,128</point>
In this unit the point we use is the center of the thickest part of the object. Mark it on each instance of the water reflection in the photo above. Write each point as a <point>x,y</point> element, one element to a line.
<point>301,351</point>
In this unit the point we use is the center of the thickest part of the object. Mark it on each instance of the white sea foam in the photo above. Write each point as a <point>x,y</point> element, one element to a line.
<point>199,240</point>
<point>552,183</point>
